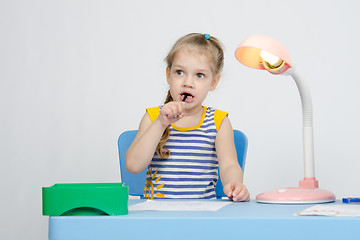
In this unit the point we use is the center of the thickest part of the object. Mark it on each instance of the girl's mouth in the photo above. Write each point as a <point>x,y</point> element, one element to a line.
<point>185,96</point>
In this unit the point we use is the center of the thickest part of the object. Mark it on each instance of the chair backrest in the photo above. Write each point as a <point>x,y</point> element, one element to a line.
<point>136,182</point>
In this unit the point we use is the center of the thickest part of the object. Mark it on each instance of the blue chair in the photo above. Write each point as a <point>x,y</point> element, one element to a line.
<point>136,182</point>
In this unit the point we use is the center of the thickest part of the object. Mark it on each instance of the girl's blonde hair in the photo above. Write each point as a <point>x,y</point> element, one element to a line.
<point>203,42</point>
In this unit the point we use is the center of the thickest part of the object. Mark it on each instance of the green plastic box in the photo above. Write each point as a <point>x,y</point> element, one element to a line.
<point>85,199</point>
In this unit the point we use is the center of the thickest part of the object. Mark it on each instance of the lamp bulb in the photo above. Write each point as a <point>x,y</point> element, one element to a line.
<point>272,63</point>
<point>271,59</point>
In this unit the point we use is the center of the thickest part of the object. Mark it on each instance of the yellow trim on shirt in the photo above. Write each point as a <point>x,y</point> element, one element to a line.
<point>153,113</point>
<point>194,127</point>
<point>218,117</point>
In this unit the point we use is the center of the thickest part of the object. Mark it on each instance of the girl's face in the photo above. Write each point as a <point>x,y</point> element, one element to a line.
<point>191,73</point>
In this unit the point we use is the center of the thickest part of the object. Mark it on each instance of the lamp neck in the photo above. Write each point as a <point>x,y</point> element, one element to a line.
<point>306,100</point>
<point>307,110</point>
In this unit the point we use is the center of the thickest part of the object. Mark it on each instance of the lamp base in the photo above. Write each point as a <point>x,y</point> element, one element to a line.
<point>307,193</point>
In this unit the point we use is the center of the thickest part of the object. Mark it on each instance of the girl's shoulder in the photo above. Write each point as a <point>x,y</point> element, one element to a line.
<point>219,116</point>
<point>153,112</point>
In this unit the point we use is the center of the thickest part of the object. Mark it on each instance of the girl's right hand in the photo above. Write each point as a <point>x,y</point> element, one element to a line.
<point>171,112</point>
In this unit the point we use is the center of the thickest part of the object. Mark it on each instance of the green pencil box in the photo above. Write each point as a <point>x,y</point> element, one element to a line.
<point>85,199</point>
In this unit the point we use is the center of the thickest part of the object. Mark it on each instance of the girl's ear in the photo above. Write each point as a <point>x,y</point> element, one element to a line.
<point>215,82</point>
<point>168,75</point>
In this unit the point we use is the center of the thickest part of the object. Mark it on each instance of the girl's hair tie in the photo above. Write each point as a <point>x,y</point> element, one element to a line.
<point>207,36</point>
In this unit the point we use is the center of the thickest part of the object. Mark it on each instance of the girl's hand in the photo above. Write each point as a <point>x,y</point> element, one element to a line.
<point>171,112</point>
<point>237,192</point>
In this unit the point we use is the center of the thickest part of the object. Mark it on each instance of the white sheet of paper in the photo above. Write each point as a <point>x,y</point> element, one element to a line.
<point>171,205</point>
<point>338,210</point>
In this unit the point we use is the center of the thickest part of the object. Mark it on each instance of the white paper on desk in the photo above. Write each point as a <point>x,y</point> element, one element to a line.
<point>171,205</point>
<point>338,210</point>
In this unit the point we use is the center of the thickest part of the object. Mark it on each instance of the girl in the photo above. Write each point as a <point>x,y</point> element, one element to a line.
<point>190,141</point>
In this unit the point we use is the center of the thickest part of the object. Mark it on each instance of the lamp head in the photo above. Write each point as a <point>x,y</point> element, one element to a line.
<point>265,53</point>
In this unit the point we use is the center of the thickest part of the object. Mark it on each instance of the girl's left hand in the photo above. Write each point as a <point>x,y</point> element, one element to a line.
<point>237,192</point>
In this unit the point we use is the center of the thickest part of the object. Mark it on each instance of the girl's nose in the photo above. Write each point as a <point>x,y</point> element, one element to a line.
<point>188,81</point>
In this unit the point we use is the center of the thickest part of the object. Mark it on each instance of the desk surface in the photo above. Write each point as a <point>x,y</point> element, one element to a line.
<point>238,220</point>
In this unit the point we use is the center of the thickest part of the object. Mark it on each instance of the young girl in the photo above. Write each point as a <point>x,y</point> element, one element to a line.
<point>190,141</point>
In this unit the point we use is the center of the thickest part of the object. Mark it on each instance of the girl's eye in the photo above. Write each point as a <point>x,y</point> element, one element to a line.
<point>200,75</point>
<point>179,72</point>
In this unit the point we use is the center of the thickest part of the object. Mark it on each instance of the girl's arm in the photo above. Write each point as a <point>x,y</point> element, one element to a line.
<point>142,149</point>
<point>230,172</point>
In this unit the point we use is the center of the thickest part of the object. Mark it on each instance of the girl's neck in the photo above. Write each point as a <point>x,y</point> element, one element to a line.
<point>193,111</point>
<point>191,118</point>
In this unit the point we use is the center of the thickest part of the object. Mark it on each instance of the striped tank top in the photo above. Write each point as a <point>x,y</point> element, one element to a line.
<point>191,171</point>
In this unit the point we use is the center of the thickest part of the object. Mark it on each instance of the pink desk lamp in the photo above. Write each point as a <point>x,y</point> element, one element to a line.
<point>265,53</point>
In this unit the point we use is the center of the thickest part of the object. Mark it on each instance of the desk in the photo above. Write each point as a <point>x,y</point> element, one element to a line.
<point>246,220</point>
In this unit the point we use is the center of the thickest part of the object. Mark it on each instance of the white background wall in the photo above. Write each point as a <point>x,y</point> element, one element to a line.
<point>75,74</point>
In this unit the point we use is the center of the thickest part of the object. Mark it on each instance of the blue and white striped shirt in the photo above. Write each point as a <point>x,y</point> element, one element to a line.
<point>191,171</point>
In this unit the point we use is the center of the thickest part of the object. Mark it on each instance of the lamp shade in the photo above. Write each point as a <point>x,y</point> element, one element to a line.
<point>249,51</point>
